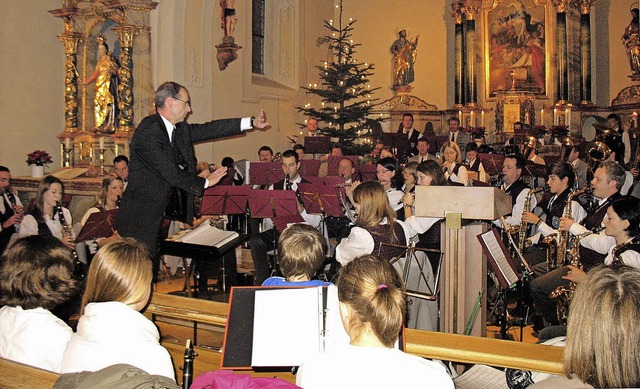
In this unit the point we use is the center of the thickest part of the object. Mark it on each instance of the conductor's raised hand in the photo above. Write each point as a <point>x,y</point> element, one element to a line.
<point>260,121</point>
<point>216,176</point>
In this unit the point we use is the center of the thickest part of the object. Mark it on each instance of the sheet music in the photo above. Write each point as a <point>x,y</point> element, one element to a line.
<point>286,326</point>
<point>498,255</point>
<point>207,235</point>
<point>335,334</point>
<point>481,376</point>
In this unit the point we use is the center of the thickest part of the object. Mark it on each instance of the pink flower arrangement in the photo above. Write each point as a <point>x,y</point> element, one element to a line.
<point>39,158</point>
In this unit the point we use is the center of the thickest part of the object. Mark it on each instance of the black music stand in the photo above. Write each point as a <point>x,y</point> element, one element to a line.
<point>320,199</point>
<point>409,252</point>
<point>398,142</point>
<point>310,167</point>
<point>281,206</point>
<point>265,173</point>
<point>333,162</point>
<point>317,144</point>
<point>367,172</point>
<point>98,225</point>
<point>326,180</point>
<point>534,170</point>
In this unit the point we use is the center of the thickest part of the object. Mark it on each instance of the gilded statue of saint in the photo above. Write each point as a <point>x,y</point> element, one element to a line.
<point>105,77</point>
<point>631,42</point>
<point>404,56</point>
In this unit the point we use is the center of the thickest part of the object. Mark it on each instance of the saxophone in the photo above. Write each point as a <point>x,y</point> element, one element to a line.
<point>522,228</point>
<point>564,293</point>
<point>557,250</point>
<point>616,252</point>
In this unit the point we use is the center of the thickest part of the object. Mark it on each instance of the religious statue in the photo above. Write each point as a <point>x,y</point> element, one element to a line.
<point>404,56</point>
<point>631,41</point>
<point>105,99</point>
<point>228,17</point>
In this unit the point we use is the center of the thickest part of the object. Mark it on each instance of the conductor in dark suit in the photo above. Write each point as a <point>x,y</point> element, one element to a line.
<point>163,162</point>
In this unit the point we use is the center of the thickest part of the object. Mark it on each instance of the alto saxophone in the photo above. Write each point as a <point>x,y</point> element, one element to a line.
<point>564,293</point>
<point>522,228</point>
<point>616,253</point>
<point>557,250</point>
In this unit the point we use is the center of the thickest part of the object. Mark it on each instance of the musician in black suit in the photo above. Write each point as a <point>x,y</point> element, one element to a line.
<point>162,160</point>
<point>412,134</point>
<point>11,209</point>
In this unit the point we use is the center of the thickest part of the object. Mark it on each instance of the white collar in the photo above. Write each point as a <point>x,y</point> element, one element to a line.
<point>168,126</point>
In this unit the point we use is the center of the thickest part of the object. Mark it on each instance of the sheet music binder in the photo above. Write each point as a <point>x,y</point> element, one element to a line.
<point>98,225</point>
<point>207,235</point>
<point>499,258</point>
<point>298,322</point>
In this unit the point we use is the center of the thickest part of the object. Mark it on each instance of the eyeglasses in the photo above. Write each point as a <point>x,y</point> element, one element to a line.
<point>186,103</point>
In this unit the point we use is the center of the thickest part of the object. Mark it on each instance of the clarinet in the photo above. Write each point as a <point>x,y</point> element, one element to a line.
<point>118,202</point>
<point>79,269</point>
<point>14,205</point>
<point>187,369</point>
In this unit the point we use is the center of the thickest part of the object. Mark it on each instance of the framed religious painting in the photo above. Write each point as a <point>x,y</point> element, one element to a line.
<point>518,38</point>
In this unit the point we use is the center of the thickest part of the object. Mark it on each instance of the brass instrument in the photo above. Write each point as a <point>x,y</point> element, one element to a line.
<point>529,146</point>
<point>597,151</point>
<point>277,157</point>
<point>566,145</point>
<point>522,228</point>
<point>557,250</point>
<point>616,252</point>
<point>563,294</point>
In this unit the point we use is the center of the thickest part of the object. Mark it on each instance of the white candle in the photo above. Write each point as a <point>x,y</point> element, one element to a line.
<point>473,119</point>
<point>67,143</point>
<point>481,118</point>
<point>102,142</point>
<point>555,116</point>
<point>567,117</point>
<point>635,119</point>
<point>460,117</point>
<point>542,117</point>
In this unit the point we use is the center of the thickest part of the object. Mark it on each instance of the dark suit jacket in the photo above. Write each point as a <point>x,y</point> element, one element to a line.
<point>153,171</point>
<point>412,141</point>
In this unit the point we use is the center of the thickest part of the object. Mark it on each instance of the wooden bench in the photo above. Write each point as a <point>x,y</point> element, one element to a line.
<point>435,345</point>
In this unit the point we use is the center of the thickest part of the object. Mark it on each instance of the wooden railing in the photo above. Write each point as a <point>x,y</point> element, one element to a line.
<point>435,345</point>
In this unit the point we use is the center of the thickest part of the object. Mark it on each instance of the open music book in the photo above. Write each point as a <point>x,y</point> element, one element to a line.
<point>499,258</point>
<point>207,235</point>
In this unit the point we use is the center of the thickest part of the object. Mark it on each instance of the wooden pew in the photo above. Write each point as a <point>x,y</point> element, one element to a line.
<point>15,375</point>
<point>436,345</point>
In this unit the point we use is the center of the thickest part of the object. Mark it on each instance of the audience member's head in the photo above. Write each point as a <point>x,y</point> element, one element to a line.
<point>120,271</point>
<point>372,296</point>
<point>603,332</point>
<point>36,271</point>
<point>301,248</point>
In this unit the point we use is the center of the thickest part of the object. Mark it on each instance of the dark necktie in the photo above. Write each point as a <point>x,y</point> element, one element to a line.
<point>174,145</point>
<point>453,136</point>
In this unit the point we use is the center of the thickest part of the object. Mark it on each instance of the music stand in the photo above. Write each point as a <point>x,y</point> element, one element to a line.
<point>309,167</point>
<point>410,255</point>
<point>396,141</point>
<point>492,163</point>
<point>333,162</point>
<point>317,144</point>
<point>225,200</point>
<point>534,170</point>
<point>326,180</point>
<point>265,173</point>
<point>367,172</point>
<point>98,225</point>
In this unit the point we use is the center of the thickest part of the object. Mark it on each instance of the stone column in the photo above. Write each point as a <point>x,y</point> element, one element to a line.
<point>457,15</point>
<point>585,51</point>
<point>561,42</point>
<point>70,40</point>
<point>125,73</point>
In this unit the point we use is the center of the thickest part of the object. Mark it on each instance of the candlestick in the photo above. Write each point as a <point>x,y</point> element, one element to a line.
<point>472,122</point>
<point>67,143</point>
<point>567,117</point>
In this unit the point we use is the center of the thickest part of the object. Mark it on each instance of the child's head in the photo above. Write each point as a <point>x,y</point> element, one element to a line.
<point>36,271</point>
<point>120,271</point>
<point>301,248</point>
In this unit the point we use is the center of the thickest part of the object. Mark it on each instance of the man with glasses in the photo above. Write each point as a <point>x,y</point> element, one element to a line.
<point>162,171</point>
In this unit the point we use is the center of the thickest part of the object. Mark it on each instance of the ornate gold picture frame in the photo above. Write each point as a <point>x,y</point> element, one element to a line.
<point>518,38</point>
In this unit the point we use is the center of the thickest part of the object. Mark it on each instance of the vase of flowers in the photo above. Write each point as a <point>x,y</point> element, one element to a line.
<point>37,159</point>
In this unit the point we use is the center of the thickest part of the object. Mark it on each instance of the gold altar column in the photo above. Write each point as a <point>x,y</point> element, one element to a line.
<point>457,15</point>
<point>70,40</point>
<point>561,42</point>
<point>585,51</point>
<point>125,72</point>
<point>471,8</point>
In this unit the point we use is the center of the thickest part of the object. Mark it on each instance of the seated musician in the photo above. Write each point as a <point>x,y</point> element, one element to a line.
<point>262,242</point>
<point>301,249</point>
<point>11,210</point>
<point>108,199</point>
<point>454,170</point>
<point>473,163</point>
<point>111,329</point>
<point>514,186</point>
<point>560,181</point>
<point>423,152</point>
<point>339,227</point>
<point>409,177</point>
<point>46,215</point>
<point>602,337</point>
<point>607,181</point>
<point>36,274</point>
<point>376,224</point>
<point>388,174</point>
<point>576,159</point>
<point>373,306</point>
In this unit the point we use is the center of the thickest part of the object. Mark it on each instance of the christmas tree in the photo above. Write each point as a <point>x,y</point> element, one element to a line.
<point>344,90</point>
